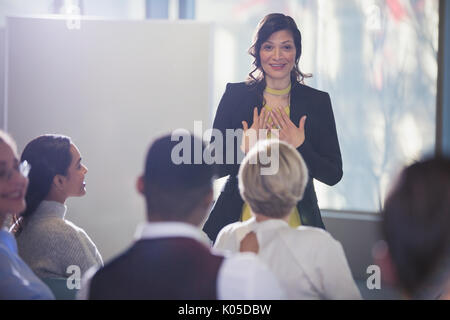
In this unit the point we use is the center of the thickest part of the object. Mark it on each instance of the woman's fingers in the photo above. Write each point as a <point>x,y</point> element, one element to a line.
<point>266,120</point>
<point>255,115</point>
<point>275,134</point>
<point>261,118</point>
<point>245,125</point>
<point>285,119</point>
<point>287,130</point>
<point>302,123</point>
<point>276,119</point>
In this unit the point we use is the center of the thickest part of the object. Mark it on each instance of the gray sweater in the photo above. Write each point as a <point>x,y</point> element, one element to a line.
<point>49,243</point>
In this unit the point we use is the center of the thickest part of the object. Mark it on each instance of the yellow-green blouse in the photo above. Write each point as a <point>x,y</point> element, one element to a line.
<point>294,217</point>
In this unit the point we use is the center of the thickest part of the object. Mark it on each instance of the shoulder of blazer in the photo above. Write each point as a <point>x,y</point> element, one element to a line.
<point>309,91</point>
<point>242,95</point>
<point>240,88</point>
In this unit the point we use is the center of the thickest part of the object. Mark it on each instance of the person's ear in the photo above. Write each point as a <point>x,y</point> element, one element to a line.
<point>199,215</point>
<point>58,181</point>
<point>140,185</point>
<point>208,200</point>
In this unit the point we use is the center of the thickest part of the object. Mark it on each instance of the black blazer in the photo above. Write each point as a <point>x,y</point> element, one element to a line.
<point>320,150</point>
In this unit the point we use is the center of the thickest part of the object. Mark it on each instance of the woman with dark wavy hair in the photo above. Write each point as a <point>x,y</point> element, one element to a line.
<point>275,99</point>
<point>47,241</point>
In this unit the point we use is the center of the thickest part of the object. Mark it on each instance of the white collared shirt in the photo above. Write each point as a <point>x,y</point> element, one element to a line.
<point>308,262</point>
<point>240,277</point>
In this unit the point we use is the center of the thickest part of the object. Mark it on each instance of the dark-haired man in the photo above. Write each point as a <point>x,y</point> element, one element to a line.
<point>171,258</point>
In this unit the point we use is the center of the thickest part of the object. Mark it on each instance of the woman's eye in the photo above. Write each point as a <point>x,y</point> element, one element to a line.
<point>267,47</point>
<point>288,47</point>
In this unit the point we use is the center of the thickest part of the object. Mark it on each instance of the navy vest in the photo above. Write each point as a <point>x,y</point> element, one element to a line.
<point>159,269</point>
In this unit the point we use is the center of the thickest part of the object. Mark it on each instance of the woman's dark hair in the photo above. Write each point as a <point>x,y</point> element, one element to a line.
<point>48,155</point>
<point>270,24</point>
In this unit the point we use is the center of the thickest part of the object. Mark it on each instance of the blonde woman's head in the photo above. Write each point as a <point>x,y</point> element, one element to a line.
<point>273,195</point>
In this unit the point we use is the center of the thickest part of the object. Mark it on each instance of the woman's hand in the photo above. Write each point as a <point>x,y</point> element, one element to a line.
<point>253,134</point>
<point>287,130</point>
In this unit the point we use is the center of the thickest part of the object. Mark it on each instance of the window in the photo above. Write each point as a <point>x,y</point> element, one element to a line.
<point>378,61</point>
<point>376,58</point>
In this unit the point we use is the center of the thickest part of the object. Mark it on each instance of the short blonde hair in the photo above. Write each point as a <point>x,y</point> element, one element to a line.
<point>273,195</point>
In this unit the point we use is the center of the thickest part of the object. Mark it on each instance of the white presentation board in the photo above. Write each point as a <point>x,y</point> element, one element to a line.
<point>112,86</point>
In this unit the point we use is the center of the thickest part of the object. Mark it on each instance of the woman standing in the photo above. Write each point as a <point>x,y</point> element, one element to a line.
<point>274,97</point>
<point>47,241</point>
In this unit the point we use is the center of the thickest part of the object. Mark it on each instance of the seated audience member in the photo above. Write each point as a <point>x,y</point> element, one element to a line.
<point>17,281</point>
<point>308,262</point>
<point>416,229</point>
<point>47,241</point>
<point>171,258</point>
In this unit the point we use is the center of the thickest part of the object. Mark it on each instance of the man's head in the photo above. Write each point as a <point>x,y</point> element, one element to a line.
<point>173,191</point>
<point>416,223</point>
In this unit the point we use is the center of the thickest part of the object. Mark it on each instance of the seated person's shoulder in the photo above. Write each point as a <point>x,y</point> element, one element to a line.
<point>233,227</point>
<point>72,226</point>
<point>317,235</point>
<point>4,255</point>
<point>232,231</point>
<point>63,229</point>
<point>228,239</point>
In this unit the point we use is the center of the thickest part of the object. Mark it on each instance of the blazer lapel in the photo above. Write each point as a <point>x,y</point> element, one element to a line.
<point>298,107</point>
<point>252,101</point>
